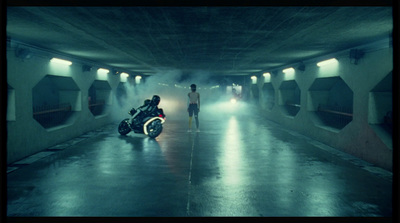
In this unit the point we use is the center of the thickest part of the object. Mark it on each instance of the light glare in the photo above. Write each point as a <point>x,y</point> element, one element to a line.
<point>254,79</point>
<point>287,70</point>
<point>61,61</point>
<point>267,74</point>
<point>327,62</point>
<point>103,70</point>
<point>137,79</point>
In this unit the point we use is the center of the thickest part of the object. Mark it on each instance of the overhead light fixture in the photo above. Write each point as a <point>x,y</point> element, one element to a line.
<point>288,70</point>
<point>267,74</point>
<point>137,79</point>
<point>216,86</point>
<point>327,62</point>
<point>103,70</point>
<point>123,74</point>
<point>124,77</point>
<point>267,77</point>
<point>253,79</point>
<point>61,61</point>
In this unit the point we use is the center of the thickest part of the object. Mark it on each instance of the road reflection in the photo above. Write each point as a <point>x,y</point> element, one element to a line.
<point>231,156</point>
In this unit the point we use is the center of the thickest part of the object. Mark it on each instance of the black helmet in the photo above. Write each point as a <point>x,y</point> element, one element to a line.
<point>155,100</point>
<point>146,102</point>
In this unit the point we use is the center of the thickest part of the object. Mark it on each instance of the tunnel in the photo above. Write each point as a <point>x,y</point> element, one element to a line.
<point>287,119</point>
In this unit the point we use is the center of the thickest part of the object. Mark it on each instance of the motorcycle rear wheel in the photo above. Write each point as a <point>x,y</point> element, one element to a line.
<point>154,129</point>
<point>123,127</point>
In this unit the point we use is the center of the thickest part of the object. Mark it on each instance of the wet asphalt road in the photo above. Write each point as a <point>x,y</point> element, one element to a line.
<point>239,167</point>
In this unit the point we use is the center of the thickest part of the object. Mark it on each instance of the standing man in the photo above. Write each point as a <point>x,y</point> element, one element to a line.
<point>193,107</point>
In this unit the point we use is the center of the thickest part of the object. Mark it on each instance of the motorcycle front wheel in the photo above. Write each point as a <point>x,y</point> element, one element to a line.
<point>154,129</point>
<point>123,127</point>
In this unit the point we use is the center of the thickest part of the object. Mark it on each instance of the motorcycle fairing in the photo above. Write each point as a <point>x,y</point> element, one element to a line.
<point>149,121</point>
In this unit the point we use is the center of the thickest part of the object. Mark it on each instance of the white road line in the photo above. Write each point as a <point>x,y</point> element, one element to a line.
<point>190,179</point>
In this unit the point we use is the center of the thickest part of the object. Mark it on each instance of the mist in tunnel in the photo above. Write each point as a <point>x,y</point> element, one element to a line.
<point>173,87</point>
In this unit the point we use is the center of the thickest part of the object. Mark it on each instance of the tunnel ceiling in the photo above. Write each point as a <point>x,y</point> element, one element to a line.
<point>223,41</point>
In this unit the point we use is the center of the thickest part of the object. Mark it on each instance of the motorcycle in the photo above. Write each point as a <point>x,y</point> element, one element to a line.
<point>235,96</point>
<point>148,121</point>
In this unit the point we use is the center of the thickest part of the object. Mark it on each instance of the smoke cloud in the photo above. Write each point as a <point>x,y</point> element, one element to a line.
<point>173,87</point>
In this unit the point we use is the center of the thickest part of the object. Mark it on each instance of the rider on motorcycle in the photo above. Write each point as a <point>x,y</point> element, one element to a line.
<point>148,107</point>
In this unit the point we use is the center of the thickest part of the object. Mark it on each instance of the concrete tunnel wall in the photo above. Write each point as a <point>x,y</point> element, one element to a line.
<point>26,136</point>
<point>358,137</point>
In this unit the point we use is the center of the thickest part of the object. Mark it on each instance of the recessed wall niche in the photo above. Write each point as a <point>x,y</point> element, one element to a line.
<point>380,110</point>
<point>99,97</point>
<point>255,92</point>
<point>56,100</point>
<point>268,95</point>
<point>330,102</point>
<point>289,98</point>
<point>10,103</point>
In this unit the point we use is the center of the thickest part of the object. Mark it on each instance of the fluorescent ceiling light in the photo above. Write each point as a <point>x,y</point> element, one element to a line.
<point>103,70</point>
<point>123,74</point>
<point>216,86</point>
<point>326,62</point>
<point>60,61</point>
<point>290,69</point>
<point>138,78</point>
